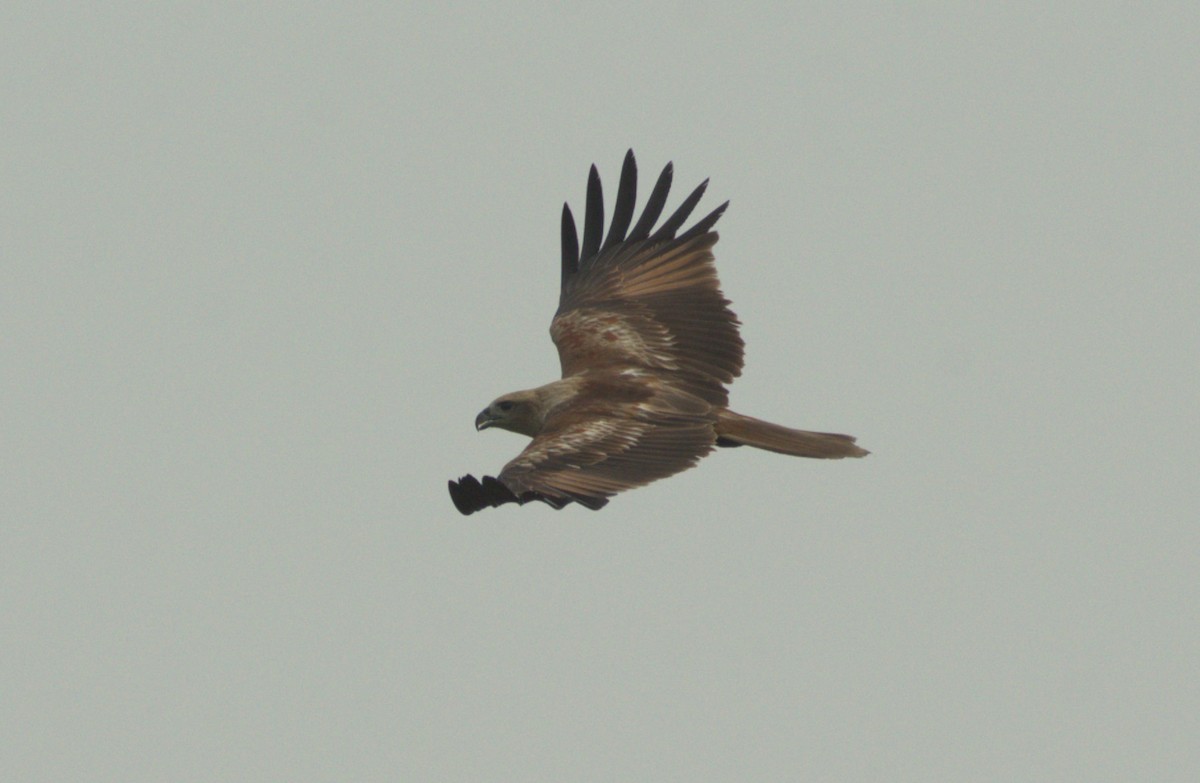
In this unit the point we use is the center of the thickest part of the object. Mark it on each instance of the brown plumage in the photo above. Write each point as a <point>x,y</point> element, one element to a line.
<point>647,344</point>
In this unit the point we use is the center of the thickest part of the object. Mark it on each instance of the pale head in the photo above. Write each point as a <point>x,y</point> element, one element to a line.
<point>518,412</point>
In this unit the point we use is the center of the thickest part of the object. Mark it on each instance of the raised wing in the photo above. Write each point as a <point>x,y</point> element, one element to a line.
<point>642,299</point>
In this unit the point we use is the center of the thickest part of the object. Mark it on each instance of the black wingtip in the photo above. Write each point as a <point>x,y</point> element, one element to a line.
<point>623,208</point>
<point>576,256</point>
<point>654,204</point>
<point>704,225</point>
<point>593,217</point>
<point>470,495</point>
<point>680,215</point>
<point>570,245</point>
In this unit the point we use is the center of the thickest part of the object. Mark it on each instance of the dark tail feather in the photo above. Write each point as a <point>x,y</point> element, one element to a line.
<point>734,429</point>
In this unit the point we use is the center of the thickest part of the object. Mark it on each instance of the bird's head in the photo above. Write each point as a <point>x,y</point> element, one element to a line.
<point>517,412</point>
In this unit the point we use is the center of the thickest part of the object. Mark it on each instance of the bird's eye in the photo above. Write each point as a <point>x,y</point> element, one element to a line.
<point>504,406</point>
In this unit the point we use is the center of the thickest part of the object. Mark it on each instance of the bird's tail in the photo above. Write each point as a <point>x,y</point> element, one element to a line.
<point>734,429</point>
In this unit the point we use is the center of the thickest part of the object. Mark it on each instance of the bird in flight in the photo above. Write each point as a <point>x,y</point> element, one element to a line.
<point>647,344</point>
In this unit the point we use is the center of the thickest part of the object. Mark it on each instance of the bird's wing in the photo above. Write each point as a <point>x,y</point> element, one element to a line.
<point>646,298</point>
<point>601,443</point>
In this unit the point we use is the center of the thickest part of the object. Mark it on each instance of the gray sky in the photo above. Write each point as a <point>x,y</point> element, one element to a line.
<point>260,270</point>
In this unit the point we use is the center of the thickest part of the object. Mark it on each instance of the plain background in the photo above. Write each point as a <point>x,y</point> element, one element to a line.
<point>262,265</point>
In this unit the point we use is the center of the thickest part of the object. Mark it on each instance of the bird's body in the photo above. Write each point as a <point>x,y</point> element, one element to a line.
<point>647,344</point>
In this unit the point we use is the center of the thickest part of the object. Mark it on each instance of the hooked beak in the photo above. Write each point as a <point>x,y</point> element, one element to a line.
<point>483,420</point>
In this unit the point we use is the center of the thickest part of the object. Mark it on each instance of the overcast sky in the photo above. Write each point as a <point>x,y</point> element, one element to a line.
<point>260,268</point>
